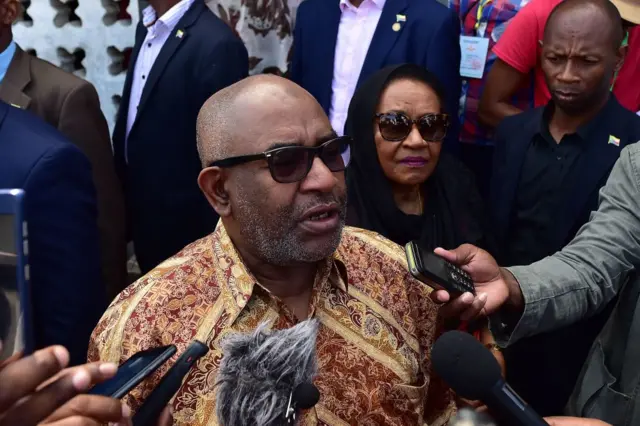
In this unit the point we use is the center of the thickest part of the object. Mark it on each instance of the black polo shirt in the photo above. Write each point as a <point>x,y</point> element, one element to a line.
<point>543,188</point>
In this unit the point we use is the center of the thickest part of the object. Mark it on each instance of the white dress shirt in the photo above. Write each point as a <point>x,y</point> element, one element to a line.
<point>357,25</point>
<point>158,32</point>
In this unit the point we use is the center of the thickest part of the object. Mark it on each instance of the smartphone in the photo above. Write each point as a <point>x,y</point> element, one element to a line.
<point>16,331</point>
<point>152,407</point>
<point>436,272</point>
<point>133,371</point>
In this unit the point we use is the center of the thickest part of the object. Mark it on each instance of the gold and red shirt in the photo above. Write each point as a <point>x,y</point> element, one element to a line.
<point>377,325</point>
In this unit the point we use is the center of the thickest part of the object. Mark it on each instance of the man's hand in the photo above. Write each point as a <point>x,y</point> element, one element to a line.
<point>494,286</point>
<point>35,390</point>
<point>574,421</point>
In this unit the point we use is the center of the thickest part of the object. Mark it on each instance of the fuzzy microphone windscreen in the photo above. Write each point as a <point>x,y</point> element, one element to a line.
<point>260,370</point>
<point>469,417</point>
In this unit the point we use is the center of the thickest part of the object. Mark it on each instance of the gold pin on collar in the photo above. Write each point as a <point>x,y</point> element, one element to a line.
<point>396,27</point>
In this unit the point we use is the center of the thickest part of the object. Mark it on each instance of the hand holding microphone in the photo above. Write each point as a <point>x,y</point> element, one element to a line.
<point>472,372</point>
<point>37,390</point>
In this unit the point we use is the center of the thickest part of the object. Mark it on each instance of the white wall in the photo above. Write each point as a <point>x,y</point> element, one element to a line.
<point>101,38</point>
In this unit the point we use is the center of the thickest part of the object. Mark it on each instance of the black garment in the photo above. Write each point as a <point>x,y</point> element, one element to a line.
<point>158,162</point>
<point>453,208</point>
<point>538,205</point>
<point>541,191</point>
<point>479,159</point>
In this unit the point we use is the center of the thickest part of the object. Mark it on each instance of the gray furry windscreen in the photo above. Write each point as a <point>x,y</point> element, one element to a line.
<point>469,417</point>
<point>259,371</point>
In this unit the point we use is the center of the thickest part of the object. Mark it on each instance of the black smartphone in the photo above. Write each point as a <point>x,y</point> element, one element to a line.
<point>152,407</point>
<point>16,328</point>
<point>436,272</point>
<point>133,371</point>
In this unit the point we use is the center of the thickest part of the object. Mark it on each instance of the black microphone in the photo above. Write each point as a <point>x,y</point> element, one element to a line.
<point>266,377</point>
<point>471,370</point>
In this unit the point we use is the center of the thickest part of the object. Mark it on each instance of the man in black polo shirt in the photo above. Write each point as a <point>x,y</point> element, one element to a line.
<point>550,163</point>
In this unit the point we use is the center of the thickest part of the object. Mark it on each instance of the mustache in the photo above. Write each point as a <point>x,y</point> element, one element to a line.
<point>323,200</point>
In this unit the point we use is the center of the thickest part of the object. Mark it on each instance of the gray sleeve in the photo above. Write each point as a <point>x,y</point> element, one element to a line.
<point>578,281</point>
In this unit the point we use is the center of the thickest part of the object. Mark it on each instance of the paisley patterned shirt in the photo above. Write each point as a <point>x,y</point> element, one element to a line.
<point>373,345</point>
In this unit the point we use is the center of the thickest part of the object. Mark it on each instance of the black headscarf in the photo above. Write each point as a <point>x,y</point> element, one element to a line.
<point>448,219</point>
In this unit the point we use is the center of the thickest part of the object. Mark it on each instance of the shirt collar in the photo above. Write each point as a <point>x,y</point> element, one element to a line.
<point>6,57</point>
<point>586,130</point>
<point>170,18</point>
<point>241,283</point>
<point>344,4</point>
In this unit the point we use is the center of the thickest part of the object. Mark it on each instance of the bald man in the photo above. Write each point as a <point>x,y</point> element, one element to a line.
<point>549,166</point>
<point>273,171</point>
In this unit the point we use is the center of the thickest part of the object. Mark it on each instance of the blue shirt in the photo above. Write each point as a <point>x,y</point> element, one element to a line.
<point>5,59</point>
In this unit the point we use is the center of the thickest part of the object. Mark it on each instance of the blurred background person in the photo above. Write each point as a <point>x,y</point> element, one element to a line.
<point>549,167</point>
<point>183,53</point>
<point>518,52</point>
<point>484,19</point>
<point>400,184</point>
<point>266,29</point>
<point>338,44</point>
<point>71,105</point>
<point>67,292</point>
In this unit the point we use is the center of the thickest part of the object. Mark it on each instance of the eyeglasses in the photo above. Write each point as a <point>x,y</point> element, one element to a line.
<point>292,163</point>
<point>396,126</point>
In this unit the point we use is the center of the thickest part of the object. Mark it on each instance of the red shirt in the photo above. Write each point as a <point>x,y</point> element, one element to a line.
<point>519,47</point>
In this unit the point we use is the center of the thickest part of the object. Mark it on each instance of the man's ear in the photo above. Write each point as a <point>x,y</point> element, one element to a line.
<point>621,54</point>
<point>9,11</point>
<point>213,185</point>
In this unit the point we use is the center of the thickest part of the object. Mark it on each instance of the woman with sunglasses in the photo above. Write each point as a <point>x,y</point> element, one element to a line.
<point>399,183</point>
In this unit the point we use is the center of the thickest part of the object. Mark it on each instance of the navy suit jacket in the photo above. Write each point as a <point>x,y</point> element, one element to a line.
<point>159,164</point>
<point>513,137</point>
<point>429,37</point>
<point>67,293</point>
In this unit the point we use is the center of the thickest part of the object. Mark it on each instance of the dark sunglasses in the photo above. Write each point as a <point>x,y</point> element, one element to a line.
<point>292,163</point>
<point>396,126</point>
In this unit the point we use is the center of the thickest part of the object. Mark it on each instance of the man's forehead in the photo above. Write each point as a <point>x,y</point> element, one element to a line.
<point>289,122</point>
<point>577,21</point>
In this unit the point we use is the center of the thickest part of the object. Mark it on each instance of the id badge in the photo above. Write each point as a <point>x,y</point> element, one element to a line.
<point>473,56</point>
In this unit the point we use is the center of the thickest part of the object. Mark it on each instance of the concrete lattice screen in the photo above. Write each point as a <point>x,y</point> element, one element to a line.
<point>90,38</point>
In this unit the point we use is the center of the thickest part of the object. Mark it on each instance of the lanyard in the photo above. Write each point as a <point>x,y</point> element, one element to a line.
<point>481,5</point>
<point>625,43</point>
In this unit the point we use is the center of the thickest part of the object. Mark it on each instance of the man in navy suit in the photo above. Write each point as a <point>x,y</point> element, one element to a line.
<point>182,55</point>
<point>550,163</point>
<point>67,291</point>
<point>338,44</point>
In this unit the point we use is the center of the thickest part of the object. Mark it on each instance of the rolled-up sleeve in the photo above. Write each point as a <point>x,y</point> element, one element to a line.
<point>578,281</point>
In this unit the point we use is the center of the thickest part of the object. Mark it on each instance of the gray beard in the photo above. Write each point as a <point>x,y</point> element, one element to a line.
<point>274,239</point>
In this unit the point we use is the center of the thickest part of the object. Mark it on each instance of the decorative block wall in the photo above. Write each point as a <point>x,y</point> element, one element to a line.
<point>91,38</point>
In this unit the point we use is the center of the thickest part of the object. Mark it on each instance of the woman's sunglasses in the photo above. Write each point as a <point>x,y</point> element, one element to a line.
<point>396,126</point>
<point>292,163</point>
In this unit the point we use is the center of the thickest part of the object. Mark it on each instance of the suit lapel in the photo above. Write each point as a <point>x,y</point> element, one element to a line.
<point>507,175</point>
<point>384,37</point>
<point>326,49</point>
<point>123,110</point>
<point>178,36</point>
<point>16,79</point>
<point>594,164</point>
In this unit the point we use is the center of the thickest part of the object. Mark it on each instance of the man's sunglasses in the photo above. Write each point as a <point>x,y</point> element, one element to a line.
<point>396,126</point>
<point>292,163</point>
